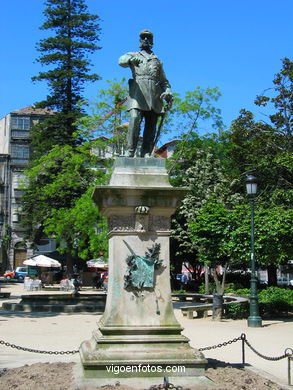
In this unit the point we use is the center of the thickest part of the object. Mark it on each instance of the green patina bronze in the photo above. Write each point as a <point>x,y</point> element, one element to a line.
<point>141,268</point>
<point>149,96</point>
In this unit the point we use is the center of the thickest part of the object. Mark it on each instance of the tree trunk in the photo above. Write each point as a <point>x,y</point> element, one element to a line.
<point>206,279</point>
<point>272,275</point>
<point>218,296</point>
<point>217,307</point>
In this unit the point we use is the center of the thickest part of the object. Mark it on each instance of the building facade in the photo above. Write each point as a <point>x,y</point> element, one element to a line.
<point>14,156</point>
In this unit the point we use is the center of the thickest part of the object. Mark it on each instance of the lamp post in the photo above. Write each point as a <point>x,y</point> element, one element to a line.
<point>254,319</point>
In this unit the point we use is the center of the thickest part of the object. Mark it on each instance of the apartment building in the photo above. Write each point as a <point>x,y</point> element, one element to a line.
<point>14,156</point>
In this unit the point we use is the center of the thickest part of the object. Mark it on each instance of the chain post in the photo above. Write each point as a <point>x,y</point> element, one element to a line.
<point>243,338</point>
<point>289,370</point>
<point>289,353</point>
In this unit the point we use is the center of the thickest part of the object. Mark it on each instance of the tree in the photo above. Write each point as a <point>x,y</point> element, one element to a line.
<point>189,115</point>
<point>60,172</point>
<point>57,199</point>
<point>108,117</point>
<point>79,230</point>
<point>66,55</point>
<point>265,148</point>
<point>211,232</point>
<point>282,101</point>
<point>205,180</point>
<point>273,235</point>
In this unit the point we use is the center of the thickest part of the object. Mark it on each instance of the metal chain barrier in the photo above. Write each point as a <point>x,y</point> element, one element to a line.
<point>166,385</point>
<point>287,354</point>
<point>38,350</point>
<point>276,358</point>
<point>224,344</point>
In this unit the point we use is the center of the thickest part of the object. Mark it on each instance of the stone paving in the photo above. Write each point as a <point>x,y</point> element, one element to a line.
<point>65,331</point>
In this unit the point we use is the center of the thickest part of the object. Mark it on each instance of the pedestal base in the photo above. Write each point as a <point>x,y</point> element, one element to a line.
<point>138,335</point>
<point>140,352</point>
<point>88,378</point>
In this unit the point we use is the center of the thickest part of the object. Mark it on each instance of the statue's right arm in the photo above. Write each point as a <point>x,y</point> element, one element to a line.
<point>129,59</point>
<point>125,60</point>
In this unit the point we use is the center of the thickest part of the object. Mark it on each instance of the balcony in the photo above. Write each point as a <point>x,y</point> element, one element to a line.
<point>19,134</point>
<point>18,161</point>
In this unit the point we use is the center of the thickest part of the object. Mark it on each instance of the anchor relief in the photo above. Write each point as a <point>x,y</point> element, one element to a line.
<point>141,268</point>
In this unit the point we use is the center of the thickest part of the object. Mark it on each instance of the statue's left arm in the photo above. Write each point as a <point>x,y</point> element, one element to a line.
<point>166,87</point>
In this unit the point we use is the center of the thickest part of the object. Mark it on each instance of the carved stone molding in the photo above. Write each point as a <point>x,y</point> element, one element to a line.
<point>159,223</point>
<point>141,222</point>
<point>121,222</point>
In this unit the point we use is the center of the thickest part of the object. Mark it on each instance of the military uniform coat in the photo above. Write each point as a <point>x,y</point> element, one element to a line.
<point>148,83</point>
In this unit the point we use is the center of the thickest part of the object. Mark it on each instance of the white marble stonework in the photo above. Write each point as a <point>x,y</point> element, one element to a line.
<point>138,325</point>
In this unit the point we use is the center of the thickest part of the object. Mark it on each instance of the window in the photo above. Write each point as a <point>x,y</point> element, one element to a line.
<point>20,123</point>
<point>18,179</point>
<point>16,214</point>
<point>20,151</point>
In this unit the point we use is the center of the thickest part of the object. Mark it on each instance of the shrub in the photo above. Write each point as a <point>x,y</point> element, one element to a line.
<point>237,311</point>
<point>273,302</point>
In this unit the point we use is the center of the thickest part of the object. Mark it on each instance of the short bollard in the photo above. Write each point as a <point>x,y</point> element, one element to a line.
<point>217,306</point>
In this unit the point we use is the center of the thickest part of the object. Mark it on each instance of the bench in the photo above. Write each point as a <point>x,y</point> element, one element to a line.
<point>4,294</point>
<point>200,309</point>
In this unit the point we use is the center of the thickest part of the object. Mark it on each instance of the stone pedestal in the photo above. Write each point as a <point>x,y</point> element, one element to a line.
<point>138,327</point>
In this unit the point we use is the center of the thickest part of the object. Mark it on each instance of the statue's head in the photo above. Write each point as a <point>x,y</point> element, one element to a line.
<point>146,39</point>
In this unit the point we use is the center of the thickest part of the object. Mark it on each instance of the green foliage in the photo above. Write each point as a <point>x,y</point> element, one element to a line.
<point>237,311</point>
<point>80,230</point>
<point>66,52</point>
<point>212,288</point>
<point>58,129</point>
<point>213,223</point>
<point>61,174</point>
<point>178,292</point>
<point>108,118</point>
<point>276,294</point>
<point>57,201</point>
<point>187,116</point>
<point>203,224</point>
<point>273,302</point>
<point>282,118</point>
<point>195,109</point>
<point>273,233</point>
<point>266,148</point>
<point>211,232</point>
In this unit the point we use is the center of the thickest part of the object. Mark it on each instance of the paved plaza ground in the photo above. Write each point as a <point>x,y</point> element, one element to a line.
<point>55,331</point>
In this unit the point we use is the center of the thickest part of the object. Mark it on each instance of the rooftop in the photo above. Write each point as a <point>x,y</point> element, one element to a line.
<point>32,110</point>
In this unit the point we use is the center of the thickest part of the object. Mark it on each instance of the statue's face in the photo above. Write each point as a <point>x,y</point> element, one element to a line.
<point>146,42</point>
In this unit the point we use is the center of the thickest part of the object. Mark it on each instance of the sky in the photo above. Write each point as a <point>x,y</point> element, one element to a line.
<point>235,45</point>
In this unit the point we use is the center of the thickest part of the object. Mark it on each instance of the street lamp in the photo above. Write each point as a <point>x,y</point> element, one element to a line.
<point>254,319</point>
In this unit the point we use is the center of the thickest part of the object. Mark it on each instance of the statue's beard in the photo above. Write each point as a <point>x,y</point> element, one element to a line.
<point>145,45</point>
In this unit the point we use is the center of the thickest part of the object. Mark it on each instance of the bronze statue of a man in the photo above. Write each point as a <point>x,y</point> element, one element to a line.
<point>147,90</point>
